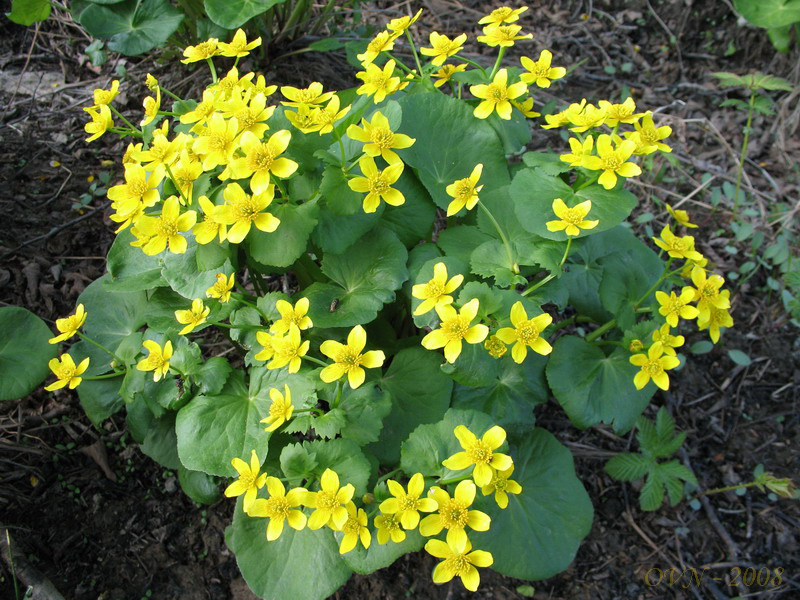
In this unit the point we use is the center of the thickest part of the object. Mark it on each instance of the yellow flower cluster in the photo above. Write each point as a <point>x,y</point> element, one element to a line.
<point>704,300</point>
<point>333,506</point>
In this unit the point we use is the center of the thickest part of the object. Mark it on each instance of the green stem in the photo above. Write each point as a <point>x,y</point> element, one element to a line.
<point>103,348</point>
<point>471,62</point>
<point>601,330</point>
<point>399,62</point>
<point>653,288</point>
<point>729,488</point>
<point>502,235</point>
<point>338,137</point>
<point>339,388</point>
<point>540,283</point>
<point>414,51</point>
<point>124,120</point>
<point>109,376</point>
<point>454,479</point>
<point>211,66</point>
<point>170,94</point>
<point>177,187</point>
<point>315,360</point>
<point>168,113</point>
<point>241,298</point>
<point>279,183</point>
<point>566,253</point>
<point>388,475</point>
<point>743,154</point>
<point>500,56</point>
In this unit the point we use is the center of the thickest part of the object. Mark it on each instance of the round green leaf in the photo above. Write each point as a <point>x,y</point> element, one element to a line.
<point>769,13</point>
<point>101,398</point>
<point>301,565</point>
<point>112,316</point>
<point>231,14</point>
<point>130,268</point>
<point>740,358</point>
<point>200,487</point>
<point>24,352</point>
<point>539,532</point>
<point>28,12</point>
<point>133,26</point>
<point>380,556</point>
<point>533,192</point>
<point>182,273</point>
<point>364,278</point>
<point>593,388</point>
<point>287,243</point>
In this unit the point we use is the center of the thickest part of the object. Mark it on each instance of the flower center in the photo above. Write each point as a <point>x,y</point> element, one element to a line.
<point>247,479</point>
<point>455,329</point>
<point>480,452</point>
<point>611,163</point>
<point>496,93</point>
<point>326,500</point>
<point>167,227</point>
<point>527,333</point>
<point>278,507</point>
<point>500,483</point>
<point>433,289</point>
<point>648,135</point>
<point>378,185</point>
<point>246,210</point>
<point>351,526</point>
<point>573,217</point>
<point>348,359</point>
<point>674,306</point>
<point>408,503</point>
<point>653,367</point>
<point>383,138</point>
<point>276,409</point>
<point>137,189</point>
<point>457,564</point>
<point>454,514</point>
<point>66,372</point>
<point>262,159</point>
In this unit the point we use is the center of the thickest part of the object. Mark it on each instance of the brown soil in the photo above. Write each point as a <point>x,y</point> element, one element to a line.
<point>100,520</point>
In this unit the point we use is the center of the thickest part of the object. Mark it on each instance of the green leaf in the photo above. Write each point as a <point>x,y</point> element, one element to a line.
<point>297,463</point>
<point>100,399</point>
<point>473,367</point>
<point>413,220</point>
<point>160,443</point>
<point>429,445</point>
<point>28,12</point>
<point>769,13</point>
<point>289,241</point>
<point>702,347</point>
<point>781,38</point>
<point>211,377</point>
<point>231,14</point>
<point>627,467</point>
<point>539,532</point>
<point>182,274</point>
<point>420,393</point>
<point>549,162</point>
<point>112,316</point>
<point>133,26</point>
<point>364,410</point>
<point>328,426</point>
<point>627,276</point>
<point>161,307</point>
<point>337,233</point>
<point>740,358</point>
<point>338,196</point>
<point>200,487</point>
<point>592,387</point>
<point>380,556</point>
<point>343,456</point>
<point>510,400</point>
<point>651,496</point>
<point>533,192</point>
<point>281,568</point>
<point>362,281</point>
<point>130,268</point>
<point>24,352</point>
<point>459,242</point>
<point>491,259</point>
<point>461,142</point>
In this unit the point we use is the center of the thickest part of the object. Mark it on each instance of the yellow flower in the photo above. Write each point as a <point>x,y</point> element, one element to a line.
<point>66,372</point>
<point>674,307</point>
<point>677,246</point>
<point>495,346</point>
<point>289,350</point>
<point>377,184</point>
<point>479,452</point>
<point>291,315</point>
<point>206,230</point>
<point>446,72</point>
<point>580,151</point>
<point>265,339</point>
<point>504,14</point>
<point>305,119</point>
<point>280,410</point>
<point>151,107</point>
<point>636,345</point>
<point>248,482</point>
<point>262,159</point>
<point>161,152</point>
<point>354,528</point>
<point>436,291</point>
<point>106,96</point>
<point>201,51</point>
<point>654,365</point>
<point>464,191</point>
<point>192,318</point>
<point>130,151</point>
<point>647,136</point>
<point>311,95</point>
<point>454,514</point>
<point>378,82</point>
<point>399,25</point>
<point>496,96</point>
<point>540,72</point>
<point>347,359</point>
<point>406,505</point>
<point>238,46</point>
<point>167,228</point>
<point>68,326</point>
<point>502,486</point>
<point>620,113</point>
<point>251,112</point>
<point>681,216</point>
<point>379,139</point>
<point>388,527</point>
<point>707,293</point>
<point>611,161</point>
<point>502,35</point>
<point>455,327</point>
<point>526,108</point>
<point>525,333</point>
<point>203,111</point>
<point>158,359</point>
<point>185,173</point>
<point>583,116</point>
<point>221,290</point>
<point>326,117</point>
<point>216,141</point>
<point>442,47</point>
<point>717,317</point>
<point>100,123</point>
<point>459,560</point>
<point>668,341</point>
<point>572,220</point>
<point>383,42</point>
<point>329,502</point>
<point>280,507</point>
<point>242,210</point>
